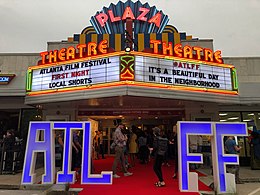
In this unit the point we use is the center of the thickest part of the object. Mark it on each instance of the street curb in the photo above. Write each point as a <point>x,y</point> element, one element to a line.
<point>41,187</point>
<point>9,187</point>
<point>57,189</point>
<point>251,180</point>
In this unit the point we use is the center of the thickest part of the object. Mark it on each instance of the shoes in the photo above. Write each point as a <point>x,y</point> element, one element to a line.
<point>128,174</point>
<point>159,184</point>
<point>116,176</point>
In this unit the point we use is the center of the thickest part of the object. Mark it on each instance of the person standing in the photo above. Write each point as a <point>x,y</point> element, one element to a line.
<point>120,142</point>
<point>150,143</point>
<point>133,146</point>
<point>9,142</point>
<point>175,149</point>
<point>232,148</point>
<point>142,144</point>
<point>160,147</point>
<point>96,141</point>
<point>76,154</point>
<point>193,147</point>
<point>74,149</point>
<point>101,146</point>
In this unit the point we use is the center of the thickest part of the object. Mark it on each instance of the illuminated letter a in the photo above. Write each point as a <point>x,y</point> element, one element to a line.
<point>34,145</point>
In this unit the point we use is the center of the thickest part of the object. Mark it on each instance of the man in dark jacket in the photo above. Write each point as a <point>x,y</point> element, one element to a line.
<point>9,142</point>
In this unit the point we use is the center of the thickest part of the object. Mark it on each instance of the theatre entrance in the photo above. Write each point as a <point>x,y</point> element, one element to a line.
<point>107,124</point>
<point>143,113</point>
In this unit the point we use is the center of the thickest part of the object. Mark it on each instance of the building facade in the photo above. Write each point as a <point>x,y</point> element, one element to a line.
<point>166,76</point>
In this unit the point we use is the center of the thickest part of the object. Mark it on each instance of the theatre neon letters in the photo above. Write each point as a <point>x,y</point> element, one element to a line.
<point>93,49</point>
<point>72,53</point>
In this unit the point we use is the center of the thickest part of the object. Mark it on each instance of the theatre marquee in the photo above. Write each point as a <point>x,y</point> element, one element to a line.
<point>141,69</point>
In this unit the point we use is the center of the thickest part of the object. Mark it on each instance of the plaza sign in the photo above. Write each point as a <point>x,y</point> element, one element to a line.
<point>146,18</point>
<point>188,181</point>
<point>102,18</point>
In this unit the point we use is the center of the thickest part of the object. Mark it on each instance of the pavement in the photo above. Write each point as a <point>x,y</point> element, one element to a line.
<point>11,184</point>
<point>251,179</point>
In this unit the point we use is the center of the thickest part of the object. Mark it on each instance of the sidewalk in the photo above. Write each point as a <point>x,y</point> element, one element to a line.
<point>14,181</point>
<point>247,175</point>
<point>11,184</point>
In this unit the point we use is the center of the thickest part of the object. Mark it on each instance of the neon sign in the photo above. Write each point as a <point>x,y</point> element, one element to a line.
<point>93,49</point>
<point>146,18</point>
<point>128,13</point>
<point>187,51</point>
<point>5,79</point>
<point>72,53</point>
<point>223,182</point>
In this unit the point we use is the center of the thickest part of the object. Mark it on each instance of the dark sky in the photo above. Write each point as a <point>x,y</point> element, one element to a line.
<point>234,25</point>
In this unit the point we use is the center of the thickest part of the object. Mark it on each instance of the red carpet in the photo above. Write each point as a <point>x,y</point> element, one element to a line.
<point>141,182</point>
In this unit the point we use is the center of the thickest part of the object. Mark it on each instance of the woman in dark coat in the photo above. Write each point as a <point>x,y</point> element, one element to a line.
<point>160,147</point>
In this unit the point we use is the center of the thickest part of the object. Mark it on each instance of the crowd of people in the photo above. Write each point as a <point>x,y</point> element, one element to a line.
<point>136,144</point>
<point>98,145</point>
<point>10,144</point>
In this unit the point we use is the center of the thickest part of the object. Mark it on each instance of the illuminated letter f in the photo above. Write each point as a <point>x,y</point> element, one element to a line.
<point>188,181</point>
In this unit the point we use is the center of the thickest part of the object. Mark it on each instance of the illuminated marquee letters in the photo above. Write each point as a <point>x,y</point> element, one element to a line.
<point>34,145</point>
<point>220,159</point>
<point>72,53</point>
<point>66,175</point>
<point>187,51</point>
<point>223,182</point>
<point>188,181</point>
